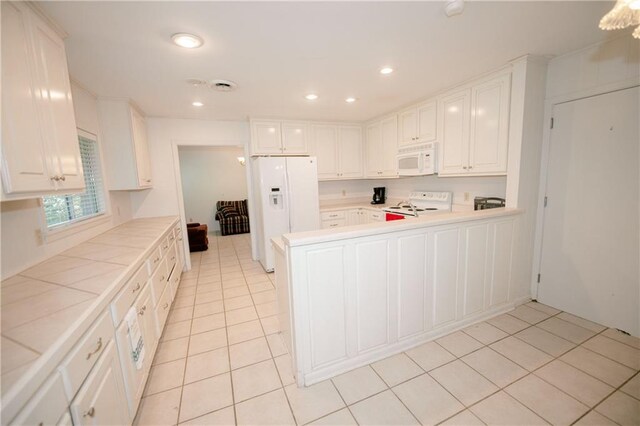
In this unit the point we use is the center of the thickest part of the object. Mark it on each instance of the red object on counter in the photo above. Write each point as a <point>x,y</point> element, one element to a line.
<point>394,216</point>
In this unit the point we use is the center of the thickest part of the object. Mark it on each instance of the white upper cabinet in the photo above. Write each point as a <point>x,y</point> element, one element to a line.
<point>350,152</point>
<point>490,126</point>
<point>272,137</point>
<point>338,149</point>
<point>126,148</point>
<point>325,148</point>
<point>382,148</point>
<point>454,141</point>
<point>418,124</point>
<point>474,129</point>
<point>40,150</point>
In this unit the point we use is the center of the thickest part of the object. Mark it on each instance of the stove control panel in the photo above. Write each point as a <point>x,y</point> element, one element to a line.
<point>430,196</point>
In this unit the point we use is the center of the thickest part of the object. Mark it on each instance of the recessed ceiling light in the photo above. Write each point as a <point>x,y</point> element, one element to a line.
<point>350,100</point>
<point>186,40</point>
<point>386,70</point>
<point>197,104</point>
<point>311,97</point>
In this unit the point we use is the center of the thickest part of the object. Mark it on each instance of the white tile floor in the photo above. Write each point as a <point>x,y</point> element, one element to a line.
<point>221,362</point>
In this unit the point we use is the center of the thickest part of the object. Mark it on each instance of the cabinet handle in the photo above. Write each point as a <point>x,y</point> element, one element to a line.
<point>90,413</point>
<point>95,351</point>
<point>136,289</point>
<point>470,167</point>
<point>464,167</point>
<point>141,311</point>
<point>333,225</point>
<point>56,178</point>
<point>63,178</point>
<point>156,260</point>
<point>173,258</point>
<point>162,278</point>
<point>148,180</point>
<point>166,305</point>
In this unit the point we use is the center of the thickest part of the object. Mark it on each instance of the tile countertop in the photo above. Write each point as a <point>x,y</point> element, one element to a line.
<point>47,307</point>
<point>376,228</point>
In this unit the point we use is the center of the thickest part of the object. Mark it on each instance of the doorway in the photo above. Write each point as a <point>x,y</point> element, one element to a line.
<point>208,175</point>
<point>591,230</point>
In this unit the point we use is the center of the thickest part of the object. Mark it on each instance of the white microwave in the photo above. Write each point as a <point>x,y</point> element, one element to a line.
<point>417,160</point>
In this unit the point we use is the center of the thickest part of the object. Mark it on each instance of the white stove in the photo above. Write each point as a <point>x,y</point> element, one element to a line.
<point>420,203</point>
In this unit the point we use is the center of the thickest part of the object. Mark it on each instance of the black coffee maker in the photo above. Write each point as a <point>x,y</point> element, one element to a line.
<point>378,195</point>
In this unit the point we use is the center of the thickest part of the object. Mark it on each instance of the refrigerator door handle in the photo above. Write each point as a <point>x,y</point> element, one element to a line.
<point>287,195</point>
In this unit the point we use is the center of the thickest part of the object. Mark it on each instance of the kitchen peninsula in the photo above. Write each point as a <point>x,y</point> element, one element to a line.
<point>357,294</point>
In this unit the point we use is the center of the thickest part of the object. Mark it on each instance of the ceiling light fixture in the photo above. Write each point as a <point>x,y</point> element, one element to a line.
<point>188,41</point>
<point>311,97</point>
<point>386,70</point>
<point>350,100</point>
<point>625,13</point>
<point>197,104</point>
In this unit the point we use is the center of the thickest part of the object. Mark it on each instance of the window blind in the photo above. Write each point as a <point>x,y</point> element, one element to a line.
<point>64,209</point>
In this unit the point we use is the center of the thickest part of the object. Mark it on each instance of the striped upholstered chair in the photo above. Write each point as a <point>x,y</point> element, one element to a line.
<point>233,217</point>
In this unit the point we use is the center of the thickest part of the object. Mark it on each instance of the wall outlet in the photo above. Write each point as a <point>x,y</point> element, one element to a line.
<point>466,196</point>
<point>344,192</point>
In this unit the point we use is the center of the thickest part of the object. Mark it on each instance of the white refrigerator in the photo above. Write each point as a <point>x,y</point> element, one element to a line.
<point>286,193</point>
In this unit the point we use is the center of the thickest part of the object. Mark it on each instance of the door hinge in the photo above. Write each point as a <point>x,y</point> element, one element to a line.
<point>551,127</point>
<point>538,278</point>
<point>545,201</point>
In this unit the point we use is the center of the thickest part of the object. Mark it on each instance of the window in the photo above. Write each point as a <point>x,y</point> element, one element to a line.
<point>65,209</point>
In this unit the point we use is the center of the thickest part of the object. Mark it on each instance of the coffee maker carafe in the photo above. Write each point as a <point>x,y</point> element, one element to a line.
<point>378,195</point>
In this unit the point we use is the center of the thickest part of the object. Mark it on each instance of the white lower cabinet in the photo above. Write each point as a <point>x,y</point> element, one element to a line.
<point>47,407</point>
<point>134,377</point>
<point>362,299</point>
<point>337,218</point>
<point>101,399</point>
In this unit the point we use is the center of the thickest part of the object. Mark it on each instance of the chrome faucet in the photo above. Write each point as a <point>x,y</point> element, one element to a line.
<point>413,208</point>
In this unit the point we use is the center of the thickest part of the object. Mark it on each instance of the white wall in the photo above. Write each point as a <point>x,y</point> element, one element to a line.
<point>163,133</point>
<point>401,187</point>
<point>210,174</point>
<point>22,245</point>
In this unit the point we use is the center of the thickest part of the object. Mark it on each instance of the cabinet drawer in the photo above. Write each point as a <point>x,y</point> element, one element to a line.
<point>47,406</point>
<point>162,309</point>
<point>154,259</point>
<point>333,215</point>
<point>159,281</point>
<point>127,295</point>
<point>101,399</point>
<point>326,224</point>
<point>174,279</point>
<point>377,216</point>
<point>172,258</point>
<point>164,246</point>
<point>83,356</point>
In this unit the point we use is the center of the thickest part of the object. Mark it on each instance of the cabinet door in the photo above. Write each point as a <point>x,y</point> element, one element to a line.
<point>266,137</point>
<point>133,377</point>
<point>350,151</point>
<point>294,138</point>
<point>141,148</point>
<point>101,399</point>
<point>454,146</point>
<point>490,126</point>
<point>57,107</point>
<point>407,126</point>
<point>24,153</point>
<point>427,122</point>
<point>389,147</point>
<point>325,146</point>
<point>353,217</point>
<point>373,149</point>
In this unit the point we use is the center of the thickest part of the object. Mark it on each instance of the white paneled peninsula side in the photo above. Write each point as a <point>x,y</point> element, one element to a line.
<point>79,330</point>
<point>354,295</point>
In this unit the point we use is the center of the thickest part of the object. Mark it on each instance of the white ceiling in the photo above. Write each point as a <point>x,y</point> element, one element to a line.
<point>278,52</point>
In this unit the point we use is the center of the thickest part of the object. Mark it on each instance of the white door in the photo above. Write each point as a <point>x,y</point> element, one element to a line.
<point>407,124</point>
<point>427,122</point>
<point>302,193</point>
<point>374,151</point>
<point>294,138</point>
<point>350,151</point>
<point>590,252</point>
<point>454,147</point>
<point>325,148</point>
<point>24,154</point>
<point>389,151</point>
<point>490,126</point>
